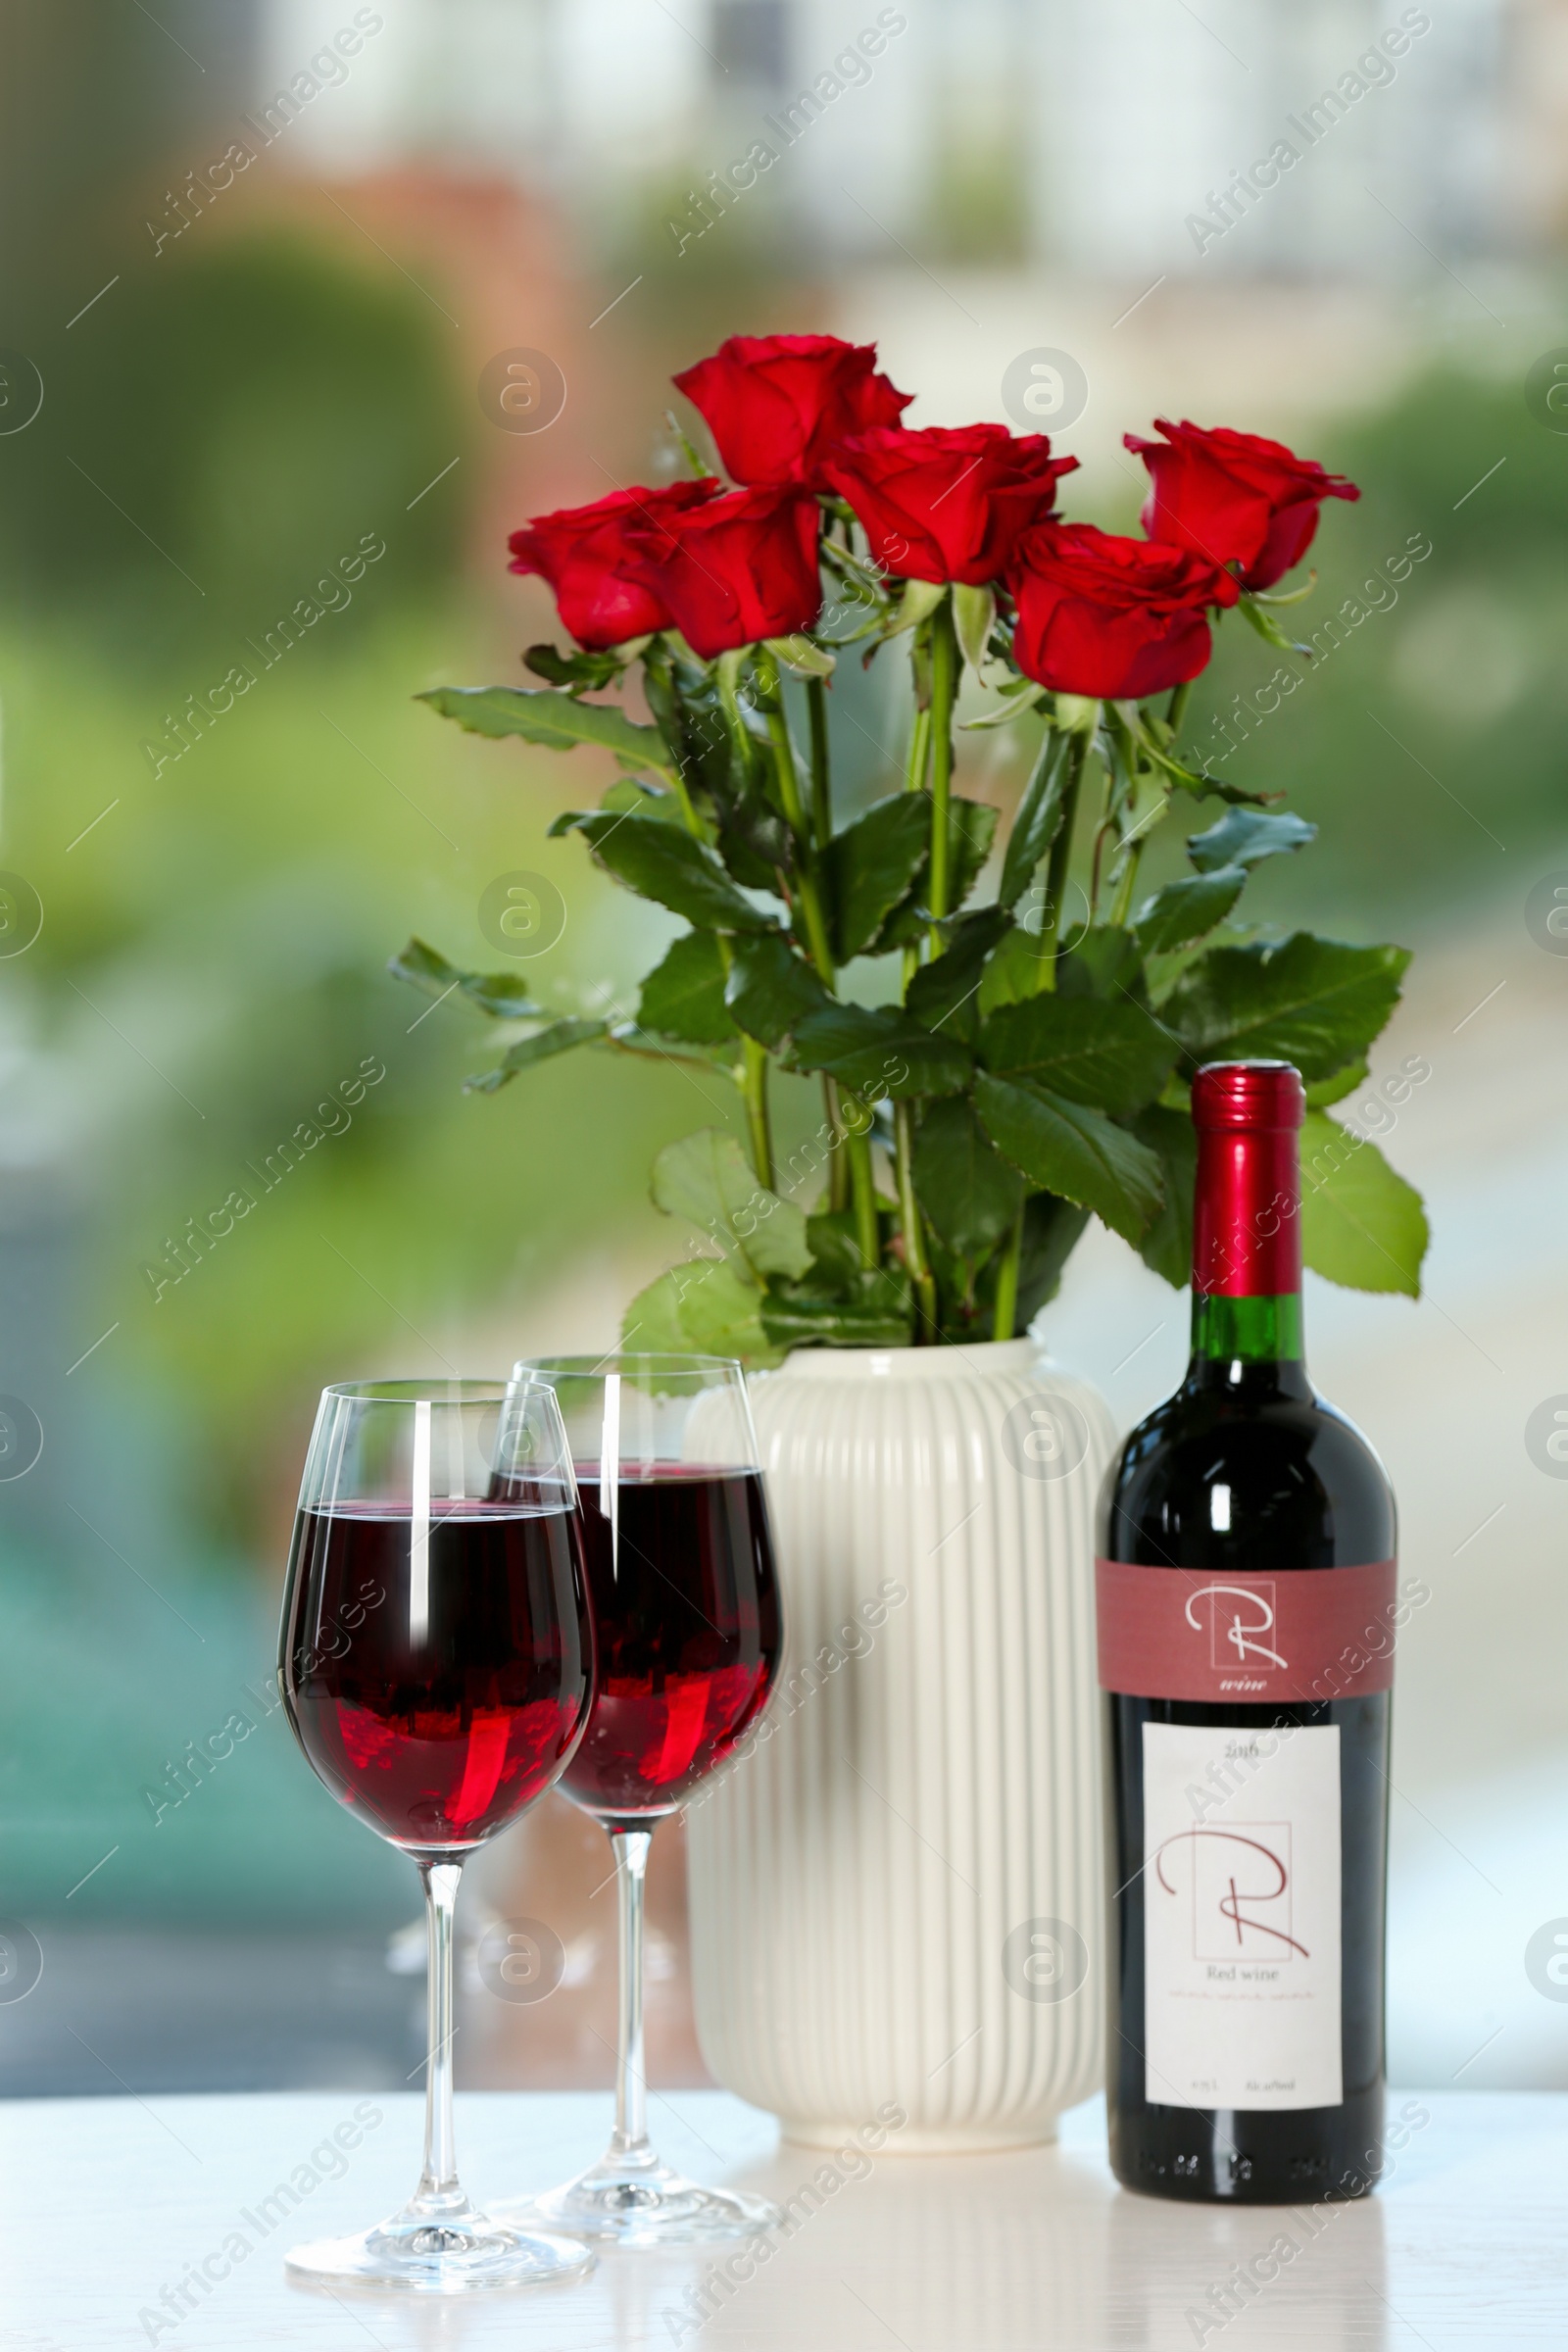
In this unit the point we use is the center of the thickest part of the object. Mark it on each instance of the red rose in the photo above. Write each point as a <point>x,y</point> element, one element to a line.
<point>1234,498</point>
<point>585,554</point>
<point>1116,619</point>
<point>949,502</point>
<point>776,403</point>
<point>738,568</point>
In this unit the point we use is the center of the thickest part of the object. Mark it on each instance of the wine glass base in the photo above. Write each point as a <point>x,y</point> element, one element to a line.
<point>646,2205</point>
<point>440,2256</point>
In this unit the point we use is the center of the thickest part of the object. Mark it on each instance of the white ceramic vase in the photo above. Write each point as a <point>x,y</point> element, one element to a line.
<point>896,1889</point>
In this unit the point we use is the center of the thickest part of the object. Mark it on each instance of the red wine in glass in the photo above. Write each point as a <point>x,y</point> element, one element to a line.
<point>438,1730</point>
<point>687,1629</point>
<point>436,1661</point>
<point>688,1635</point>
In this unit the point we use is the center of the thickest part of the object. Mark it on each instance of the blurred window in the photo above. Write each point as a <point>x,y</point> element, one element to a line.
<point>750,42</point>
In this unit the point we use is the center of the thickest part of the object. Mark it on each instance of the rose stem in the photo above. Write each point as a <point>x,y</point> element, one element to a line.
<point>821,783</point>
<point>944,687</point>
<point>754,1062</point>
<point>759,1121</point>
<point>1005,1312</point>
<point>915,1252</point>
<point>914,781</point>
<point>838,1183</point>
<point>1056,869</point>
<point>856,1139</point>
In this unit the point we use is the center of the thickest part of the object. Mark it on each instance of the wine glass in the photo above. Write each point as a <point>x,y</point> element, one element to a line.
<point>436,1661</point>
<point>687,1634</point>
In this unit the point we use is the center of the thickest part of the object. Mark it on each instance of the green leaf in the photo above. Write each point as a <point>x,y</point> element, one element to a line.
<point>972,829</point>
<point>427,967</point>
<point>1197,781</point>
<point>1312,1001</point>
<point>836,1261</point>
<point>753,840</point>
<point>634,795</point>
<point>502,994</point>
<point>702,1308</point>
<point>1206,787</point>
<point>967,1189</point>
<point>881,1053</point>
<point>1167,1245</point>
<point>542,716</point>
<point>879,1312</point>
<point>674,868</point>
<point>689,712</point>
<point>1068,1148</point>
<point>629,796</point>
<point>1115,1055</point>
<point>870,865</point>
<point>1014,971</point>
<point>1323,1092</point>
<point>1243,836</point>
<point>1186,908</point>
<point>579,672</point>
<point>705,1178</point>
<point>684,997</point>
<point>652,1322</point>
<point>1362,1224</point>
<point>543,1046</point>
<point>627,1037</point>
<point>728,768</point>
<point>1104,962</point>
<point>946,994</point>
<point>770,987</point>
<point>1038,818</point>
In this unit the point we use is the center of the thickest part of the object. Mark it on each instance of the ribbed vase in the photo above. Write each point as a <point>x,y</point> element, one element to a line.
<point>896,1891</point>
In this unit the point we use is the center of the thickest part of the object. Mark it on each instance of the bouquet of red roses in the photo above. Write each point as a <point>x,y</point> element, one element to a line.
<point>1032,1068</point>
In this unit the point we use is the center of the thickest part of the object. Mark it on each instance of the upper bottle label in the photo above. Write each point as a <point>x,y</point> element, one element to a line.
<point>1308,1634</point>
<point>1247,1201</point>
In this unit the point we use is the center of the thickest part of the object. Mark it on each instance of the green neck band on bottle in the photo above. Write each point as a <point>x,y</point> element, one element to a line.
<point>1247,1329</point>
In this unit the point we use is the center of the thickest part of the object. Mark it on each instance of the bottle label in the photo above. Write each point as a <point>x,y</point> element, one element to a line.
<point>1256,1641</point>
<point>1242,1984</point>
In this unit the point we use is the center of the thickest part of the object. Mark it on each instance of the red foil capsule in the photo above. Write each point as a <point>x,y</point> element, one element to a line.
<point>1246,1208</point>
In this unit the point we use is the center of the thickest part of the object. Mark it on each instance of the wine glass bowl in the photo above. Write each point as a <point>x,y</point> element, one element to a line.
<point>680,1577</point>
<point>687,1634</point>
<point>436,1659</point>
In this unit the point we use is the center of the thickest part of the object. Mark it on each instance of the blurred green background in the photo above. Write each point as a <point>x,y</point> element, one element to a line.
<point>228,414</point>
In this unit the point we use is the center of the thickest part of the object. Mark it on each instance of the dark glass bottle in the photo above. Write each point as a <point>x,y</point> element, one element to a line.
<point>1246,1614</point>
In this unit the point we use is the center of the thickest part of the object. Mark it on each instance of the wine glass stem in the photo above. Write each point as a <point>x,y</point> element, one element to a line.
<point>438,2182</point>
<point>630,1849</point>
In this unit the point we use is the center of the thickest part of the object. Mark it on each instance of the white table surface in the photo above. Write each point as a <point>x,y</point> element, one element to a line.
<point>107,2201</point>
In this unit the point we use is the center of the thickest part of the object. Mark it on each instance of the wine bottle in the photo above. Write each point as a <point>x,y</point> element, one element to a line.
<point>1247,1613</point>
